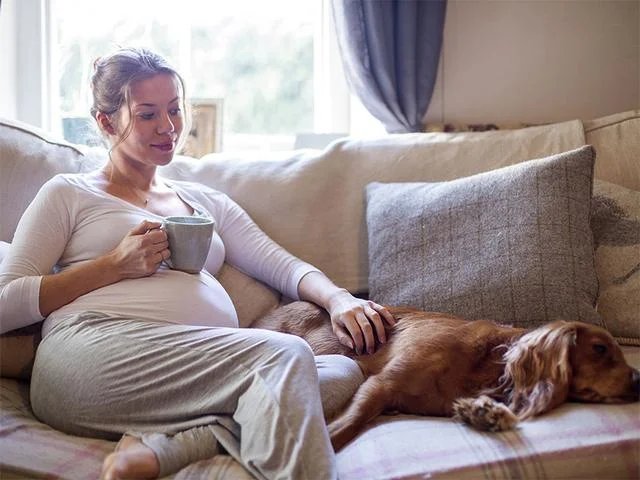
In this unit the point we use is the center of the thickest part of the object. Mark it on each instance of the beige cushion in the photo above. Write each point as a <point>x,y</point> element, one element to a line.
<point>512,245</point>
<point>18,350</point>
<point>616,227</point>
<point>251,298</point>
<point>616,139</point>
<point>28,158</point>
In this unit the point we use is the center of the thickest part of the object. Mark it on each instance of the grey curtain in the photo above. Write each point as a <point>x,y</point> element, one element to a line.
<point>390,52</point>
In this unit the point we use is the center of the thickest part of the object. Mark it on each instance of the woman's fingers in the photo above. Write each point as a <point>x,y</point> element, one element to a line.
<point>355,333</point>
<point>378,325</point>
<point>143,250</point>
<point>386,314</point>
<point>144,226</point>
<point>343,336</point>
<point>361,324</point>
<point>367,331</point>
<point>361,332</point>
<point>156,237</point>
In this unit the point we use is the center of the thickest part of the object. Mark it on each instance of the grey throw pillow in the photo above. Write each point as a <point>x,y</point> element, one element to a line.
<point>512,245</point>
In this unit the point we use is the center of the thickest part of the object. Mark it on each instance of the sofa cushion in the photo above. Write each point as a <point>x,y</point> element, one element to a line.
<point>617,143</point>
<point>251,298</point>
<point>28,158</point>
<point>512,245</point>
<point>615,222</point>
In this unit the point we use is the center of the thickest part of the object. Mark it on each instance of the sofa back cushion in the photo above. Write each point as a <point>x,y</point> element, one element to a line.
<point>615,222</point>
<point>28,158</point>
<point>616,139</point>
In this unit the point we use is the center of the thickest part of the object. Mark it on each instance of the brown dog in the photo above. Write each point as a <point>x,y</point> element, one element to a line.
<point>489,376</point>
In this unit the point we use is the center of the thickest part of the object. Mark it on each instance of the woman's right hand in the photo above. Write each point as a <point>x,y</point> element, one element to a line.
<point>138,254</point>
<point>141,251</point>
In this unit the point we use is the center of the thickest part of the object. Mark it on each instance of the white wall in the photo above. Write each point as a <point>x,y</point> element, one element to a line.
<point>8,100</point>
<point>537,61</point>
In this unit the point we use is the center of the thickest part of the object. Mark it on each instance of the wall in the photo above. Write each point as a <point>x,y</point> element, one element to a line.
<point>537,60</point>
<point>8,103</point>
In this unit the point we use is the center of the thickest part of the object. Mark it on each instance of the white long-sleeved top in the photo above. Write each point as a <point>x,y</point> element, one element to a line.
<point>72,221</point>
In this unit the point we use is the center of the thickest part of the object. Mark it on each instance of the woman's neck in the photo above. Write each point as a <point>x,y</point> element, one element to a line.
<point>125,173</point>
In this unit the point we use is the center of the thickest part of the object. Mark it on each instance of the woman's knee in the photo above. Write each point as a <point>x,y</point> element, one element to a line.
<point>292,346</point>
<point>340,377</point>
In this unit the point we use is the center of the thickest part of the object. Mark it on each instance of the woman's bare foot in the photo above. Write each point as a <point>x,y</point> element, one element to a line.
<point>132,459</point>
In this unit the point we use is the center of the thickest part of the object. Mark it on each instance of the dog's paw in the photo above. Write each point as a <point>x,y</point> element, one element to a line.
<point>484,413</point>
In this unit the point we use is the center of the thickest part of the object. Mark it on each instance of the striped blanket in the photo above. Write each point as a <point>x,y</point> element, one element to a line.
<point>575,441</point>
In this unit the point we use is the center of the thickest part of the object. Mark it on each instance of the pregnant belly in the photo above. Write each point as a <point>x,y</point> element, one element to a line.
<point>166,296</point>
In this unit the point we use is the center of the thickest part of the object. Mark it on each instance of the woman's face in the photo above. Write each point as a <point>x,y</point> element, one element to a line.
<point>156,116</point>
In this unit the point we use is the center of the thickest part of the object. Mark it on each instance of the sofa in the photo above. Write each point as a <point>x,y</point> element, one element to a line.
<point>315,203</point>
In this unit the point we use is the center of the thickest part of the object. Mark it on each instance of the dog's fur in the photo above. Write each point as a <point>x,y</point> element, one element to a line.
<point>487,375</point>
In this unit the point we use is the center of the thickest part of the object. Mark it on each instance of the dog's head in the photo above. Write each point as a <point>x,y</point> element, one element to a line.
<point>564,361</point>
<point>599,371</point>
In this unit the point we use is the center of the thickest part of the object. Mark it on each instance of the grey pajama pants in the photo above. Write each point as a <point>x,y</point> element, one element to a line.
<point>182,389</point>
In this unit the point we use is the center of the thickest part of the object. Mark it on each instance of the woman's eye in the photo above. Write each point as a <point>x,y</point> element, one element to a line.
<point>600,348</point>
<point>175,111</point>
<point>146,116</point>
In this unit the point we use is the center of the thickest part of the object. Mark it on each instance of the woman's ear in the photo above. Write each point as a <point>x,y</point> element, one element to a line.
<point>104,121</point>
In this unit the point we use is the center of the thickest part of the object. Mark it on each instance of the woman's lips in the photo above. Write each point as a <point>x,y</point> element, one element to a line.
<point>165,147</point>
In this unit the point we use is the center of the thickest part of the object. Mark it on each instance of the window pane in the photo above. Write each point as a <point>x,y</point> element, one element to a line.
<point>263,67</point>
<point>256,55</point>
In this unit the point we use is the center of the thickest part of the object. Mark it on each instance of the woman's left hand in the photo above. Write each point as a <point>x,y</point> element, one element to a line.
<point>357,322</point>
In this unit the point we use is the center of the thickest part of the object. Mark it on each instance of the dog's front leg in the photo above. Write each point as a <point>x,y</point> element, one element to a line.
<point>484,413</point>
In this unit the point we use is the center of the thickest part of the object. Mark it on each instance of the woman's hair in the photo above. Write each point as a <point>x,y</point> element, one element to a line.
<point>114,75</point>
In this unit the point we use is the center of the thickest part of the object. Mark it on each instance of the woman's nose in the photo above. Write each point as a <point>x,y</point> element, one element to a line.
<point>165,125</point>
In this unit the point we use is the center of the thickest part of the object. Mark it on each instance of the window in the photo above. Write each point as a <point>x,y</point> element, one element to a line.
<point>274,63</point>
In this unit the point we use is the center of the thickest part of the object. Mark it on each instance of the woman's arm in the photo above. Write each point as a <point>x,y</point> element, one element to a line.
<point>138,255</point>
<point>354,320</point>
<point>29,291</point>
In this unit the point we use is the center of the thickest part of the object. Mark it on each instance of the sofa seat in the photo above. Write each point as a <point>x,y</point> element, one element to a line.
<point>575,441</point>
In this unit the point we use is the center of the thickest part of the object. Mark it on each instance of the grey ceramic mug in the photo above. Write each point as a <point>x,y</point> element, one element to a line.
<point>189,241</point>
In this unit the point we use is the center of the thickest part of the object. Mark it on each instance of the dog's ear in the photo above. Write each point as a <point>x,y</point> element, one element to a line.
<point>537,369</point>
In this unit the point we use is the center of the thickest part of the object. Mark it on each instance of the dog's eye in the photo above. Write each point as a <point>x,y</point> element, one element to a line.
<point>600,348</point>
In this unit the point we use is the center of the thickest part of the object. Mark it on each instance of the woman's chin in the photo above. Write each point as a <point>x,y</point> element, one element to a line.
<point>163,156</point>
